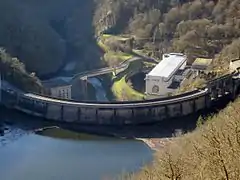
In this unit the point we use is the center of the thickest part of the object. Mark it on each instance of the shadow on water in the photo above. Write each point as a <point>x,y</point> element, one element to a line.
<point>162,129</point>
<point>57,146</point>
<point>35,149</point>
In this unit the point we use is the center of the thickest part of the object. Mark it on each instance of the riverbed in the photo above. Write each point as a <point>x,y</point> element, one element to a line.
<point>26,155</point>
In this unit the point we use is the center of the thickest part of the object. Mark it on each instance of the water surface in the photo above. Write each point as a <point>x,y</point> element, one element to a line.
<point>28,156</point>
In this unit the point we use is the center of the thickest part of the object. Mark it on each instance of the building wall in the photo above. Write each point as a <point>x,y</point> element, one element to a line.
<point>155,82</point>
<point>61,92</point>
<point>183,66</point>
<point>162,83</point>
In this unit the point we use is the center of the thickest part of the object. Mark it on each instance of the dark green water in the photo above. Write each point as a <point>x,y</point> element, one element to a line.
<point>25,155</point>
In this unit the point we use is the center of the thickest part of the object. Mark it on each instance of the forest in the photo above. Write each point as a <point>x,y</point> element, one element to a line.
<point>45,35</point>
<point>198,28</point>
<point>39,37</point>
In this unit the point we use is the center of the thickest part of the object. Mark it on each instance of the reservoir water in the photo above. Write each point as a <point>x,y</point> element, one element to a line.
<point>25,155</point>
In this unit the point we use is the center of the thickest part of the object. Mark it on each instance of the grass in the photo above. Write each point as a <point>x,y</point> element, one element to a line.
<point>107,35</point>
<point>212,151</point>
<point>120,38</point>
<point>149,64</point>
<point>103,46</point>
<point>120,87</point>
<point>124,56</point>
<point>123,91</point>
<point>114,55</point>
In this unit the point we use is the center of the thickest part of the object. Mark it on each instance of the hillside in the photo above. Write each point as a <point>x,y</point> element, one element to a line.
<point>210,152</point>
<point>46,34</point>
<point>202,28</point>
<point>13,71</point>
<point>198,28</point>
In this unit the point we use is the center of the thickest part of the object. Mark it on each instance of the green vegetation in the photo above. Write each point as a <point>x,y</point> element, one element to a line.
<point>43,38</point>
<point>114,49</point>
<point>210,152</point>
<point>45,34</point>
<point>115,58</point>
<point>191,84</point>
<point>145,52</point>
<point>123,91</point>
<point>198,28</point>
<point>14,71</point>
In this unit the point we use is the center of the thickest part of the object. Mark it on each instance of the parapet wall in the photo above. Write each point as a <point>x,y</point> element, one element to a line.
<point>121,113</point>
<point>113,115</point>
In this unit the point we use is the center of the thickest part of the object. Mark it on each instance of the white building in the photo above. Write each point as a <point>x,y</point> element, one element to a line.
<point>59,88</point>
<point>165,73</point>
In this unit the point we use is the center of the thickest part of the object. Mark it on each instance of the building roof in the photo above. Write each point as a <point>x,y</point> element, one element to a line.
<point>57,82</point>
<point>169,65</point>
<point>201,63</point>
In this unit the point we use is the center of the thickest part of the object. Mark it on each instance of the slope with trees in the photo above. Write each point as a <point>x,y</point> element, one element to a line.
<point>212,151</point>
<point>194,27</point>
<point>13,71</point>
<point>198,28</point>
<point>45,35</point>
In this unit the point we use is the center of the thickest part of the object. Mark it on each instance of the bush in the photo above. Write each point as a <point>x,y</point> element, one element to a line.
<point>210,152</point>
<point>14,72</point>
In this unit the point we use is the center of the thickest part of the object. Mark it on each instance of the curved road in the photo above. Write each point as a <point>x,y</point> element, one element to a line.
<point>173,99</point>
<point>122,66</point>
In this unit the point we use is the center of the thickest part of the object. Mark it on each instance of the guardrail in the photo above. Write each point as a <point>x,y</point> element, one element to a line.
<point>162,101</point>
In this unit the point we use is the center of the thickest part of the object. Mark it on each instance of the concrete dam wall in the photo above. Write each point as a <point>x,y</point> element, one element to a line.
<point>121,113</point>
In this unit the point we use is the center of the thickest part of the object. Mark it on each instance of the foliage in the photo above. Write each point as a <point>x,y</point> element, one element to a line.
<point>122,89</point>
<point>113,59</point>
<point>14,71</point>
<point>124,92</point>
<point>198,28</point>
<point>210,152</point>
<point>229,52</point>
<point>46,34</point>
<point>191,84</point>
<point>115,51</point>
